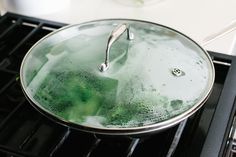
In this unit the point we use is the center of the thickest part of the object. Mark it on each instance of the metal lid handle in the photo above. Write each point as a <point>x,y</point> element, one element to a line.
<point>114,36</point>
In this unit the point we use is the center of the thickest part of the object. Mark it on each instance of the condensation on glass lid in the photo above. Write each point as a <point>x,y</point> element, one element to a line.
<point>153,78</point>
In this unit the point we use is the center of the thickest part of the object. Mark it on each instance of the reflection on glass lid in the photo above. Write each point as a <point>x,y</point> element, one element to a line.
<point>155,77</point>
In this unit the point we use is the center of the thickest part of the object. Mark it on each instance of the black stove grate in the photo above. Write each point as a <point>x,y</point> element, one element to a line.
<point>26,133</point>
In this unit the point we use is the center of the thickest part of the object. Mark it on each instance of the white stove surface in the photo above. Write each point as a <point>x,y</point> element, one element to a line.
<point>195,18</point>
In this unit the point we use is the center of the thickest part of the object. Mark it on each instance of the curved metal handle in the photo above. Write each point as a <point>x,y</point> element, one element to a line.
<point>224,31</point>
<point>115,34</point>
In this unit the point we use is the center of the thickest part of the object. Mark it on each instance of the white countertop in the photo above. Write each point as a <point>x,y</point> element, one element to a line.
<point>195,18</point>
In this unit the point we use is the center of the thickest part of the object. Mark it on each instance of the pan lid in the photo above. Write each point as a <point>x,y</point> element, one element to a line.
<point>86,76</point>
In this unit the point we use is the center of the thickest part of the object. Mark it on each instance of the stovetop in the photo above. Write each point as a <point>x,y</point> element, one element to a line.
<point>26,133</point>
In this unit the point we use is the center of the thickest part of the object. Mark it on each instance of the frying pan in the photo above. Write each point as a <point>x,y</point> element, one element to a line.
<point>117,76</point>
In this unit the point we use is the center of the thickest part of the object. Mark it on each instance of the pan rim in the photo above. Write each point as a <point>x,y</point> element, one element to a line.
<point>129,130</point>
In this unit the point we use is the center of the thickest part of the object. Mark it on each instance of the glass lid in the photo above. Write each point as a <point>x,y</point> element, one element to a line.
<point>148,75</point>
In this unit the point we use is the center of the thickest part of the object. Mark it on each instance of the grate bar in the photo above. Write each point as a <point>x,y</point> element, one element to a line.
<point>176,139</point>
<point>36,20</point>
<point>15,153</point>
<point>96,143</point>
<point>33,131</point>
<point>4,63</point>
<point>222,63</point>
<point>49,28</point>
<point>4,122</point>
<point>61,142</point>
<point>19,21</point>
<point>132,146</point>
<point>7,85</point>
<point>26,38</point>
